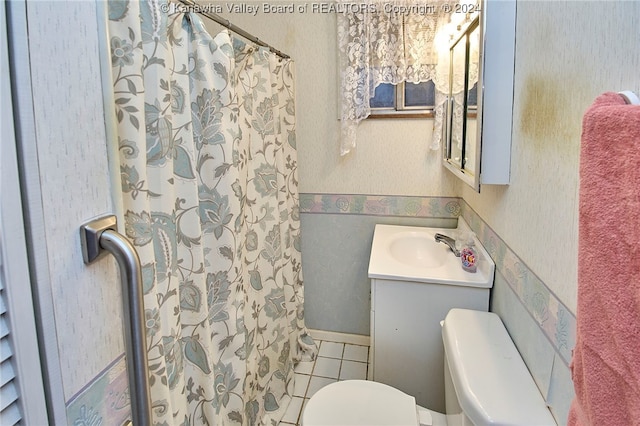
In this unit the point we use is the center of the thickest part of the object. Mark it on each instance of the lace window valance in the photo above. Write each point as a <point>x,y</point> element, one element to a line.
<point>389,41</point>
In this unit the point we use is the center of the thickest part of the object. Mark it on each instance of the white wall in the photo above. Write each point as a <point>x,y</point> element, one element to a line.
<point>68,183</point>
<point>567,53</point>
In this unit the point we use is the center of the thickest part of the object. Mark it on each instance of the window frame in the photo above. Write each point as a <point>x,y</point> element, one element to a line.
<point>399,110</point>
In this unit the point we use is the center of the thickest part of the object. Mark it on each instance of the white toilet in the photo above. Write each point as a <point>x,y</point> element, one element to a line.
<point>486,383</point>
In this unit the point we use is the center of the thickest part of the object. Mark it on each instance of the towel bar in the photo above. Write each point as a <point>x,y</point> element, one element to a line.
<point>630,97</point>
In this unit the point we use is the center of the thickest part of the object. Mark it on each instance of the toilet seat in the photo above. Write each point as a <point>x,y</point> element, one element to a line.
<point>360,402</point>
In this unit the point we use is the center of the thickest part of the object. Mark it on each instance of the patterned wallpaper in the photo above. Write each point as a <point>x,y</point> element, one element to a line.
<point>551,315</point>
<point>380,205</point>
<point>68,163</point>
<point>105,400</point>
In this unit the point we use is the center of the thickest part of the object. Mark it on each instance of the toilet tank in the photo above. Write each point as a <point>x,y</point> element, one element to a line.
<point>487,381</point>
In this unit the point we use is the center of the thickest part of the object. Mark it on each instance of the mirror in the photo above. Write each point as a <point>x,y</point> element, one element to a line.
<point>462,109</point>
<point>479,108</point>
<point>471,99</point>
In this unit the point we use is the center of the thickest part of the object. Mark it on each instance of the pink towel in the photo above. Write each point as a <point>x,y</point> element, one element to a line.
<point>606,360</point>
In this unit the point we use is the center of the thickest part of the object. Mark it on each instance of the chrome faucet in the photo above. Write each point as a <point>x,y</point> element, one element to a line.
<point>441,238</point>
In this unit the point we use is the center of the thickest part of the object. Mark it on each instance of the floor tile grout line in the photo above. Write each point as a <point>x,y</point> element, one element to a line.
<point>311,375</point>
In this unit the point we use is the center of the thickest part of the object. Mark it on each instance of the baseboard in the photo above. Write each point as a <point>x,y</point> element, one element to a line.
<point>333,336</point>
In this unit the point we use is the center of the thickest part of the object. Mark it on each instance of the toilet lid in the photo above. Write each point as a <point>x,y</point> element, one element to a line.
<point>360,402</point>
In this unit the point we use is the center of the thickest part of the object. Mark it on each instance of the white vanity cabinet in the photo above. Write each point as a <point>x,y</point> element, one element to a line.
<point>407,305</point>
<point>406,342</point>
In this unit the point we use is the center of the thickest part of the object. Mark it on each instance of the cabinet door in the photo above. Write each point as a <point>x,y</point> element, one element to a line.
<point>408,353</point>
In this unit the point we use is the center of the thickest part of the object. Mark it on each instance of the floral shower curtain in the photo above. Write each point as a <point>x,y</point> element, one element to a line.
<point>208,166</point>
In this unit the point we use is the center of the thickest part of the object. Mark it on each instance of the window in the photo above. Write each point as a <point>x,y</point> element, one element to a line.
<point>391,42</point>
<point>408,100</point>
<point>404,100</point>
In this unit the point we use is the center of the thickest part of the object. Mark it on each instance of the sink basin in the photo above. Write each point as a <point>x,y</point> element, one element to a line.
<point>418,249</point>
<point>409,253</point>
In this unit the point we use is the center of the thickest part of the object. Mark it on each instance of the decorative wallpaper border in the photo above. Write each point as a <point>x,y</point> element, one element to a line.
<point>105,400</point>
<point>551,315</point>
<point>380,205</point>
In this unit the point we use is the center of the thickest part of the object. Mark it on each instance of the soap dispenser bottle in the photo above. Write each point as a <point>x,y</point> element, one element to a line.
<point>468,254</point>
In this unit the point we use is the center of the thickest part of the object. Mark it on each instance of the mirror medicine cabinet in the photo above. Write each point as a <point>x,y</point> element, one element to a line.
<point>479,109</point>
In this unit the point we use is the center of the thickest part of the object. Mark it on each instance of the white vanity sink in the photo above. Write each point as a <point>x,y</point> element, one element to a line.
<point>410,253</point>
<point>417,249</point>
<point>415,281</point>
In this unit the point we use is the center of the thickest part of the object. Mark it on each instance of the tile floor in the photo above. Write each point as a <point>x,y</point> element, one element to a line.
<point>336,361</point>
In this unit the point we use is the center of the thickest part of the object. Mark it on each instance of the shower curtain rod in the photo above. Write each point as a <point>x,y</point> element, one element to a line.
<point>225,23</point>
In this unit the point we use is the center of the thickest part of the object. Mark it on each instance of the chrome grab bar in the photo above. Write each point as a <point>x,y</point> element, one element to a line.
<point>98,237</point>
